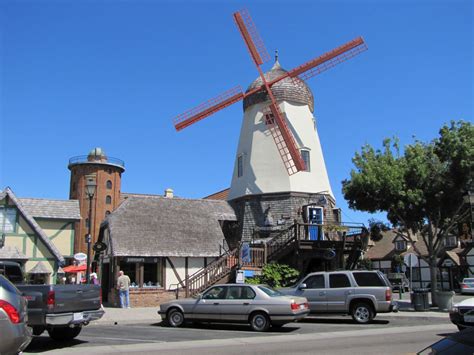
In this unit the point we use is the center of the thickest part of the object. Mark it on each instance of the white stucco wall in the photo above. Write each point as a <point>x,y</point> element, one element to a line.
<point>263,168</point>
<point>194,265</point>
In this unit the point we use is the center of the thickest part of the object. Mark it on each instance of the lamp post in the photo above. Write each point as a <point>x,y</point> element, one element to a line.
<point>91,186</point>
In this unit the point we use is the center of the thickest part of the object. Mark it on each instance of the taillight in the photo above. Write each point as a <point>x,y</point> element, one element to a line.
<point>464,286</point>
<point>11,311</point>
<point>51,299</point>
<point>294,306</point>
<point>388,295</point>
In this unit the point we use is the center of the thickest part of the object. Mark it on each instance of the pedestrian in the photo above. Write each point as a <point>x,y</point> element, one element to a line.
<point>93,279</point>
<point>123,284</point>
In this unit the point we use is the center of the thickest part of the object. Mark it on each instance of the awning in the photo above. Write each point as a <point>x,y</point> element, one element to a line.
<point>74,268</point>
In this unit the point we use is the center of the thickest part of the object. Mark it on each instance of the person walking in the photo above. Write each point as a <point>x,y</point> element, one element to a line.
<point>123,285</point>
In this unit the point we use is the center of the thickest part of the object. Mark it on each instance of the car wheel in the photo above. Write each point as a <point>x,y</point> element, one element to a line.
<point>362,313</point>
<point>460,327</point>
<point>64,333</point>
<point>175,318</point>
<point>259,322</point>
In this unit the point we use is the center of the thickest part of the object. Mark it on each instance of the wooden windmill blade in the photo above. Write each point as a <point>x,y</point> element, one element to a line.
<point>284,139</point>
<point>251,37</point>
<point>328,60</point>
<point>208,108</point>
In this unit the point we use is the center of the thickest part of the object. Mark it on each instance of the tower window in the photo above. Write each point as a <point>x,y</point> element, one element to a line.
<point>240,165</point>
<point>109,184</point>
<point>108,200</point>
<point>305,156</point>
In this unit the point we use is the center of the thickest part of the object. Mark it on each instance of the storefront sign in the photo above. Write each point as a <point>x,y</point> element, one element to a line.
<point>132,260</point>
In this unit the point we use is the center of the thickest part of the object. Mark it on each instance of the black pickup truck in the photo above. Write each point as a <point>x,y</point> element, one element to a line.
<point>62,310</point>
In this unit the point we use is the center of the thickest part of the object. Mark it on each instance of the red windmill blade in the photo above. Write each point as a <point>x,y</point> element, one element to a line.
<point>208,108</point>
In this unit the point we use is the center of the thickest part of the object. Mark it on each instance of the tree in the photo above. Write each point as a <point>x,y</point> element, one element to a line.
<point>276,275</point>
<point>376,228</point>
<point>421,190</point>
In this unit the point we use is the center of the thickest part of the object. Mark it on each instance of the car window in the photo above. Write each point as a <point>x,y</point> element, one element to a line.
<point>468,280</point>
<point>315,281</point>
<point>338,281</point>
<point>215,293</point>
<point>270,292</point>
<point>7,285</point>
<point>368,279</point>
<point>240,293</point>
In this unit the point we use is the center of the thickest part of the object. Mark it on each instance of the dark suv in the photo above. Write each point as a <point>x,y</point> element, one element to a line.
<point>361,294</point>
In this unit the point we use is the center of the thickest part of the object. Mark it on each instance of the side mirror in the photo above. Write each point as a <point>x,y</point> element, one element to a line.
<point>302,286</point>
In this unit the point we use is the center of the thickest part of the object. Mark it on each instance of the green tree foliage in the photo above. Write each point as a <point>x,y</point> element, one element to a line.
<point>276,275</point>
<point>421,190</point>
<point>376,228</point>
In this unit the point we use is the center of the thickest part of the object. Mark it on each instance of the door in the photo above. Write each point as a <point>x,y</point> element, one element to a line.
<point>315,216</point>
<point>209,306</point>
<point>339,290</point>
<point>315,292</point>
<point>237,304</point>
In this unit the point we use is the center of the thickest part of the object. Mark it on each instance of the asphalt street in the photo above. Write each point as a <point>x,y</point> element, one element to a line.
<point>332,334</point>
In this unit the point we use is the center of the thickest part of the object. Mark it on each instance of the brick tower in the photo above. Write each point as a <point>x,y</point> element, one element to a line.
<point>107,172</point>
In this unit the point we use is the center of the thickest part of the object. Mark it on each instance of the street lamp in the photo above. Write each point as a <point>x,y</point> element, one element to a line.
<point>91,186</point>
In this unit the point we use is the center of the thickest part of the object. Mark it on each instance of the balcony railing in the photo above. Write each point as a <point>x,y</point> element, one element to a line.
<point>84,159</point>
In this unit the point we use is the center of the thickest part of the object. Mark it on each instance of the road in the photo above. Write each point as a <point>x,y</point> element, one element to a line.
<point>335,335</point>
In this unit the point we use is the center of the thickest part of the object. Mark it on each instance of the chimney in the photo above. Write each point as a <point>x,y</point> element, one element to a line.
<point>169,193</point>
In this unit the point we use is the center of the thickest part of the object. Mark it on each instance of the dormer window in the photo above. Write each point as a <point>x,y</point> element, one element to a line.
<point>400,245</point>
<point>451,241</point>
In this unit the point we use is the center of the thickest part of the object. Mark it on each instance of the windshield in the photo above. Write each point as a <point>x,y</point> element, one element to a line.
<point>270,292</point>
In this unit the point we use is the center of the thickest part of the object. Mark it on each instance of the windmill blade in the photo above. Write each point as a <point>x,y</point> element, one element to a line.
<point>328,60</point>
<point>251,37</point>
<point>284,140</point>
<point>208,108</point>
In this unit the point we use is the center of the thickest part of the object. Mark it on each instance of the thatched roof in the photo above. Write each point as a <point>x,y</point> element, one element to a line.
<point>159,226</point>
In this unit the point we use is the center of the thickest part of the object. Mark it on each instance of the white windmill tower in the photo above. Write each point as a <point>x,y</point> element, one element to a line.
<point>279,173</point>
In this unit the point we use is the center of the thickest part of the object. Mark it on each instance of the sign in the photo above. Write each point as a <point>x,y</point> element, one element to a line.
<point>410,259</point>
<point>99,247</point>
<point>80,256</point>
<point>133,259</point>
<point>240,277</point>
<point>246,253</point>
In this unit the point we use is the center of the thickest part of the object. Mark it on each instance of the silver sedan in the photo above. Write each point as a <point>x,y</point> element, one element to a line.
<point>467,286</point>
<point>258,305</point>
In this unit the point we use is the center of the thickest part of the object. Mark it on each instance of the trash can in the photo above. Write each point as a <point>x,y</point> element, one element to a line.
<point>444,300</point>
<point>419,299</point>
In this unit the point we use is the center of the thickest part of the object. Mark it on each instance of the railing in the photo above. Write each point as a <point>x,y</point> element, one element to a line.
<point>212,273</point>
<point>84,159</point>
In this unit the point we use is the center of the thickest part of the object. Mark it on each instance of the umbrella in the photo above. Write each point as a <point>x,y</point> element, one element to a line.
<point>74,268</point>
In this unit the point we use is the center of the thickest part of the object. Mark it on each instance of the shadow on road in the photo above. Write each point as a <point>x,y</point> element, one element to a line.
<point>41,344</point>
<point>288,328</point>
<point>339,321</point>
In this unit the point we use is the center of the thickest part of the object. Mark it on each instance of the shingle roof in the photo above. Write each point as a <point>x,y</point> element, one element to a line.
<point>57,209</point>
<point>159,226</point>
<point>385,249</point>
<point>34,225</point>
<point>39,268</point>
<point>12,253</point>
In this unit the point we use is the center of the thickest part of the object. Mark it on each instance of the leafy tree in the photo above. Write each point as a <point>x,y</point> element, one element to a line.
<point>421,190</point>
<point>376,228</point>
<point>276,275</point>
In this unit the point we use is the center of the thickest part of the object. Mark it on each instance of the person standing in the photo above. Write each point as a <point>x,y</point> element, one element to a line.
<point>123,285</point>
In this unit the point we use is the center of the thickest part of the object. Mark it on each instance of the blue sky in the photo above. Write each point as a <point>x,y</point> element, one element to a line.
<point>77,75</point>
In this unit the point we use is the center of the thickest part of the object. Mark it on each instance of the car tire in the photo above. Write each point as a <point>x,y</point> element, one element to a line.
<point>259,322</point>
<point>64,333</point>
<point>362,313</point>
<point>175,318</point>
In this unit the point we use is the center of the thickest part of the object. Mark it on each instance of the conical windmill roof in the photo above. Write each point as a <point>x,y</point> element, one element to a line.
<point>288,89</point>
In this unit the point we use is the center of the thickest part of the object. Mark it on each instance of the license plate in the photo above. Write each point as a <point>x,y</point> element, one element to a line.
<point>302,306</point>
<point>468,318</point>
<point>78,316</point>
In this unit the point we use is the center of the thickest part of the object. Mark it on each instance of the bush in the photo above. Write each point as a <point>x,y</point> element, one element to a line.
<point>275,275</point>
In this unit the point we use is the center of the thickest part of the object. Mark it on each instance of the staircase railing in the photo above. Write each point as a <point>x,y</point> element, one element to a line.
<point>212,273</point>
<point>281,242</point>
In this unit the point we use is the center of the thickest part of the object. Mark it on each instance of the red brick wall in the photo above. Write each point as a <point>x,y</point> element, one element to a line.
<point>144,297</point>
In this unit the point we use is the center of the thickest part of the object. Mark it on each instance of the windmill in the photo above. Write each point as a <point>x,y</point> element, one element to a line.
<point>274,117</point>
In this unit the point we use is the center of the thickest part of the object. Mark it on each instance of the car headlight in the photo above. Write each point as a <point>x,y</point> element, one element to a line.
<point>454,309</point>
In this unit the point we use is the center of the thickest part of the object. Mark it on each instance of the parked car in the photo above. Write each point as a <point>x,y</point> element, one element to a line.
<point>14,332</point>
<point>61,310</point>
<point>459,343</point>
<point>258,305</point>
<point>467,286</point>
<point>361,294</point>
<point>462,314</point>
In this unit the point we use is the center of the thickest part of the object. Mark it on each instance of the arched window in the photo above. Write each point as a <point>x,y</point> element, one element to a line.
<point>108,200</point>
<point>109,184</point>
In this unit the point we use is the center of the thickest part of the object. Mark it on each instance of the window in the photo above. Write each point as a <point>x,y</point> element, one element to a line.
<point>240,165</point>
<point>109,185</point>
<point>339,281</point>
<point>316,281</point>
<point>214,293</point>
<point>368,279</point>
<point>400,245</point>
<point>270,292</point>
<point>451,241</point>
<point>7,219</point>
<point>129,269</point>
<point>305,156</point>
<point>240,293</point>
<point>108,200</point>
<point>152,275</point>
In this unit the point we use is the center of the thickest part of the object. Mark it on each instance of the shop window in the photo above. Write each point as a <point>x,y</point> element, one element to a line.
<point>152,275</point>
<point>7,219</point>
<point>129,269</point>
<point>108,200</point>
<point>109,185</point>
